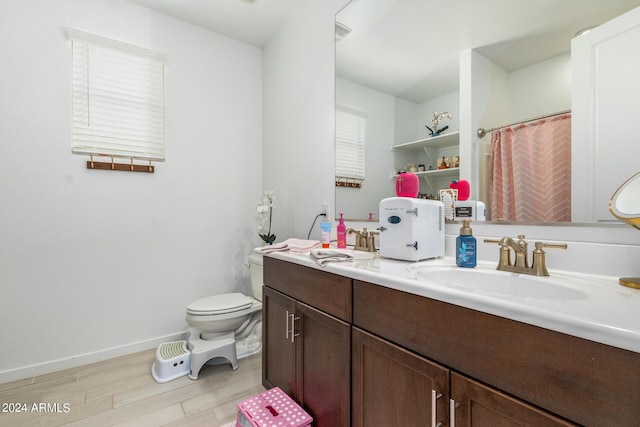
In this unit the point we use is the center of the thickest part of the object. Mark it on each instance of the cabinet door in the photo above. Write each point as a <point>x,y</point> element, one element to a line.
<point>481,406</point>
<point>278,363</point>
<point>323,366</point>
<point>394,387</point>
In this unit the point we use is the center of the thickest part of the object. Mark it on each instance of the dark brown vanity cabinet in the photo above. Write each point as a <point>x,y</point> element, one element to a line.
<point>306,351</point>
<point>393,386</point>
<point>367,355</point>
<point>503,372</point>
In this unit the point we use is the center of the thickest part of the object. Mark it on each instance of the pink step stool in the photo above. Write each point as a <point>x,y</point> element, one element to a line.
<point>271,408</point>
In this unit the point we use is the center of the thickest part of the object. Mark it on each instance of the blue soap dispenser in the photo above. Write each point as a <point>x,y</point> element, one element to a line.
<point>466,246</point>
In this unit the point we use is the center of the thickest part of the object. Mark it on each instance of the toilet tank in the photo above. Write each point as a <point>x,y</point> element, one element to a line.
<point>255,271</point>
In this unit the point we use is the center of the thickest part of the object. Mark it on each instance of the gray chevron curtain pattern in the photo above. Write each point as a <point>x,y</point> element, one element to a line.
<point>530,178</point>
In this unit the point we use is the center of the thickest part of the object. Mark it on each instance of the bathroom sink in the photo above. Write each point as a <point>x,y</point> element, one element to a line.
<point>486,279</point>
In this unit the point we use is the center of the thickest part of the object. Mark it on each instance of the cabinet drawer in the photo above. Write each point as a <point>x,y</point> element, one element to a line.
<point>587,382</point>
<point>325,291</point>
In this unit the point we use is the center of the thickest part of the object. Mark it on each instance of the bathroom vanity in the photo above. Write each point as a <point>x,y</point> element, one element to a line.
<point>307,338</point>
<point>373,343</point>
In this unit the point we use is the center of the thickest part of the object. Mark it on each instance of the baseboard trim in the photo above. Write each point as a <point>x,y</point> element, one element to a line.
<point>85,359</point>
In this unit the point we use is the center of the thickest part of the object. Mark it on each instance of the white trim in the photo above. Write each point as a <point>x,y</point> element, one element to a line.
<point>85,359</point>
<point>73,34</point>
<point>350,110</point>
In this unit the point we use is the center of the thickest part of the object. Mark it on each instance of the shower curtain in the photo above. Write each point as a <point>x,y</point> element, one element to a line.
<point>531,171</point>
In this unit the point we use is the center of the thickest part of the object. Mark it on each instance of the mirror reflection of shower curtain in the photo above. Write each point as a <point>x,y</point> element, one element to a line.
<point>531,171</point>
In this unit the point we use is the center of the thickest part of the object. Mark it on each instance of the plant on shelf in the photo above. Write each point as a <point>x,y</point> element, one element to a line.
<point>264,215</point>
<point>435,120</point>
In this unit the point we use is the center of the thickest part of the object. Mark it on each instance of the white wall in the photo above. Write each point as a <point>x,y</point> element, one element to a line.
<point>484,101</point>
<point>379,107</point>
<point>299,119</point>
<point>406,117</point>
<point>540,89</point>
<point>446,103</point>
<point>98,263</point>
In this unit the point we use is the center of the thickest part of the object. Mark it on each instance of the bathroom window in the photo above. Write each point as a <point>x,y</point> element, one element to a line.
<point>350,142</point>
<point>118,98</point>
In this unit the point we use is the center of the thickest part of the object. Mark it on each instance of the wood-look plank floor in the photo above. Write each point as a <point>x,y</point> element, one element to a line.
<point>121,392</point>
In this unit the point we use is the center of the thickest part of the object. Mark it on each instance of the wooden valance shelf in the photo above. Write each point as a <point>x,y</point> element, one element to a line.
<point>127,167</point>
<point>349,182</point>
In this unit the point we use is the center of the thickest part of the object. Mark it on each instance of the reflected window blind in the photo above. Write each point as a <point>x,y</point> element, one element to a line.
<point>350,142</point>
<point>118,98</point>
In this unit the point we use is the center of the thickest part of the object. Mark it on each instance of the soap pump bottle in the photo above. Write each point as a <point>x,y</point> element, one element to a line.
<point>466,246</point>
<point>341,230</point>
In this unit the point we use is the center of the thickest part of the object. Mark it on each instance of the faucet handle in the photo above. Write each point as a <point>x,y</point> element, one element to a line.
<point>540,245</point>
<point>539,264</point>
<point>371,241</point>
<point>505,253</point>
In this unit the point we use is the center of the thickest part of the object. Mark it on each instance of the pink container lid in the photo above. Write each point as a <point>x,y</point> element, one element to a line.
<point>273,408</point>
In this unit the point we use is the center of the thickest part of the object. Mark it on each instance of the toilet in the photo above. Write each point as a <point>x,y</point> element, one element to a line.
<point>226,327</point>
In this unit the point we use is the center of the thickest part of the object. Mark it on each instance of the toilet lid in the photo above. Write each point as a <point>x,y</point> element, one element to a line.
<point>219,304</point>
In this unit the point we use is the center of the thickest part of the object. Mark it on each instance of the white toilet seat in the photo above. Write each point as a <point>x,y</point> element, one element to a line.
<point>219,304</point>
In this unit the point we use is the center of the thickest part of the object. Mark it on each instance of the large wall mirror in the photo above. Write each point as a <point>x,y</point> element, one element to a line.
<point>398,61</point>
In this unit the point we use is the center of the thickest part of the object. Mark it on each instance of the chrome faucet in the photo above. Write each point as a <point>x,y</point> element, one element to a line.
<point>520,248</point>
<point>365,240</point>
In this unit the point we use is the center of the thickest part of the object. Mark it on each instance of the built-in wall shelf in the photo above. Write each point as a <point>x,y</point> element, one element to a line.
<point>441,173</point>
<point>434,148</point>
<point>431,143</point>
<point>438,174</point>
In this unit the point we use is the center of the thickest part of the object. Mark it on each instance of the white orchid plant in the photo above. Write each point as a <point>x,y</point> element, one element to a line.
<point>264,215</point>
<point>435,120</point>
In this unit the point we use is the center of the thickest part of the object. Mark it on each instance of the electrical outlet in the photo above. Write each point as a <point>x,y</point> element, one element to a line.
<point>324,208</point>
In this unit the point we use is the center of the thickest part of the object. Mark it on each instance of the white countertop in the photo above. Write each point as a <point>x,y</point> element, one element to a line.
<point>605,312</point>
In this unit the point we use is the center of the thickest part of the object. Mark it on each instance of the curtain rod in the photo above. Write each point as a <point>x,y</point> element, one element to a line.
<point>482,132</point>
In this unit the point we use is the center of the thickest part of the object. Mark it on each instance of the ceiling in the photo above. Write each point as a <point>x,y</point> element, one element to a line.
<point>250,21</point>
<point>410,48</point>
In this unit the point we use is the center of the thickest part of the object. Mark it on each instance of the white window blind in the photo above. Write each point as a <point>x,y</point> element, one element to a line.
<point>118,98</point>
<point>350,142</point>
